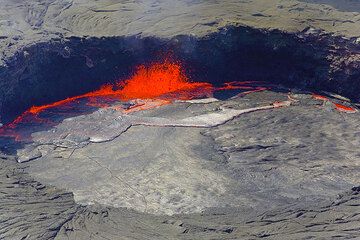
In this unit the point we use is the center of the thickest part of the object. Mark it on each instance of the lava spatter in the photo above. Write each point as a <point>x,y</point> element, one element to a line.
<point>160,79</point>
<point>339,107</point>
<point>163,78</point>
<point>151,86</point>
<point>343,108</point>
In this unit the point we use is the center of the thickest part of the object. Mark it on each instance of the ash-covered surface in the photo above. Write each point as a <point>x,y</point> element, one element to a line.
<point>285,172</point>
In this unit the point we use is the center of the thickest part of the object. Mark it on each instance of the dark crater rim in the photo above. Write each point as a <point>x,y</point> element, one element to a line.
<point>50,71</point>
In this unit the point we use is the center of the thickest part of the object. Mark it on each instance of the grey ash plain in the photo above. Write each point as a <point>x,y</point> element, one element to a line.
<point>284,173</point>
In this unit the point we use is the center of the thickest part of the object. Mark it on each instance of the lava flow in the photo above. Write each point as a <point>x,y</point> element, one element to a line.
<point>339,107</point>
<point>147,82</point>
<point>151,86</point>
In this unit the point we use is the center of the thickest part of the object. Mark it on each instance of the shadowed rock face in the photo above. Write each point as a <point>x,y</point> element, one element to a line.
<point>46,72</point>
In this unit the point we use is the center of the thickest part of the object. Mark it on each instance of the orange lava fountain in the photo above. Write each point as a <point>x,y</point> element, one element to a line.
<point>151,86</point>
<point>161,80</point>
<point>148,82</point>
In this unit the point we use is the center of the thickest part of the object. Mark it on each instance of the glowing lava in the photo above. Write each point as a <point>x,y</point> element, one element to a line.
<point>151,86</point>
<point>106,90</point>
<point>343,108</point>
<point>338,107</point>
<point>159,79</point>
<point>148,82</point>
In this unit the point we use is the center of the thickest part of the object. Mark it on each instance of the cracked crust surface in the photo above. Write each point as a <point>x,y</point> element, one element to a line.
<point>280,173</point>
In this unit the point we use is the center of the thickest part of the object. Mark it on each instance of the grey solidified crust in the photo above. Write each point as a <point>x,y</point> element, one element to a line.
<point>342,5</point>
<point>29,209</point>
<point>279,173</point>
<point>338,218</point>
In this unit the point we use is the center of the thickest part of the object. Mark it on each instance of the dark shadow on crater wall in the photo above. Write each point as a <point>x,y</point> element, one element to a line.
<point>54,70</point>
<point>239,54</point>
<point>341,5</point>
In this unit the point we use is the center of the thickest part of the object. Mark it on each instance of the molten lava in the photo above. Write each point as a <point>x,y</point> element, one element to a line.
<point>159,79</point>
<point>148,82</point>
<point>106,90</point>
<point>151,86</point>
<point>343,108</point>
<point>339,107</point>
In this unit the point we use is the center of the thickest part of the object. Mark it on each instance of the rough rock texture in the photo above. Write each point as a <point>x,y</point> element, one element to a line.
<point>276,173</point>
<point>218,172</point>
<point>252,161</point>
<point>151,176</point>
<point>29,209</point>
<point>328,219</point>
<point>32,21</point>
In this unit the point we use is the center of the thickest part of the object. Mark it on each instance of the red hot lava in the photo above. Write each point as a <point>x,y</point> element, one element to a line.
<point>155,85</point>
<point>339,107</point>
<point>148,82</point>
<point>160,79</point>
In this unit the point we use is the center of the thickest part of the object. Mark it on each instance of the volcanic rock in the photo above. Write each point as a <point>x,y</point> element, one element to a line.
<point>276,164</point>
<point>257,163</point>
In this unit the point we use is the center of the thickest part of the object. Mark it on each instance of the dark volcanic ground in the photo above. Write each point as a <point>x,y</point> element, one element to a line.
<point>288,172</point>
